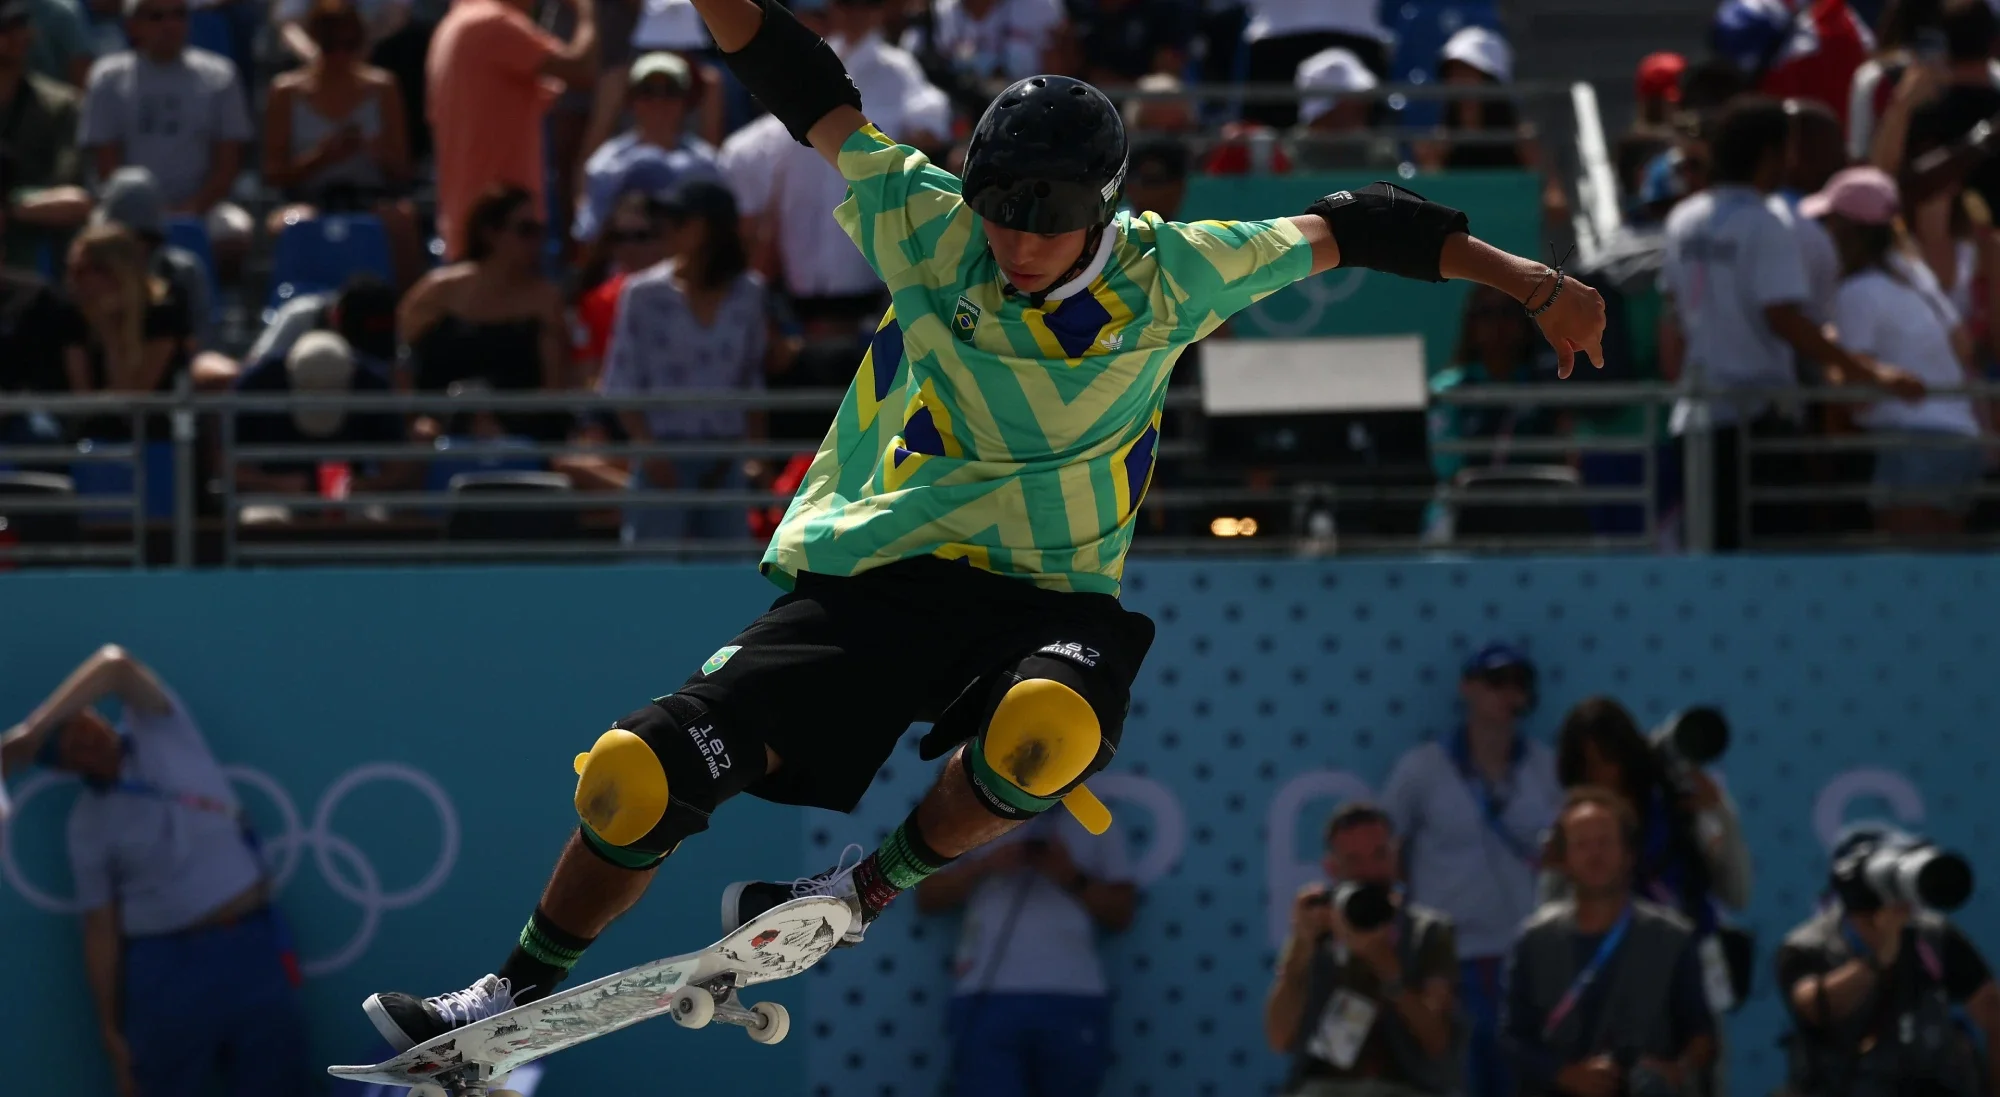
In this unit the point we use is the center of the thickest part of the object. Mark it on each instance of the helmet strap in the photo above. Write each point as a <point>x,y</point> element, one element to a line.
<point>1089,252</point>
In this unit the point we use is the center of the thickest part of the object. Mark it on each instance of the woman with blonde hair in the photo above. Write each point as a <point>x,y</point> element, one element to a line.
<point>134,336</point>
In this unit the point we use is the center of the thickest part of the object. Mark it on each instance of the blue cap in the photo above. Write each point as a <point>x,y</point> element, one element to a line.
<point>1495,656</point>
<point>1750,33</point>
<point>648,173</point>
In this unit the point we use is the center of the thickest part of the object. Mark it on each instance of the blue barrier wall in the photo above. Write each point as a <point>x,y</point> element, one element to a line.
<point>403,739</point>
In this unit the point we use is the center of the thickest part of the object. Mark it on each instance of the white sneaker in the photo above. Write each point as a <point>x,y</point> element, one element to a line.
<point>406,1021</point>
<point>746,899</point>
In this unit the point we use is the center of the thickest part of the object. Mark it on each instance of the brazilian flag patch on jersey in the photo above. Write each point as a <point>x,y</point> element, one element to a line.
<point>720,659</point>
<point>964,319</point>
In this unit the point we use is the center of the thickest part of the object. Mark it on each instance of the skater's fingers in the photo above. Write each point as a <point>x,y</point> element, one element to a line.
<point>1565,357</point>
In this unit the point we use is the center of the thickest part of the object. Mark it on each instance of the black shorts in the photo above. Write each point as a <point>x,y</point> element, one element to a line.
<point>833,674</point>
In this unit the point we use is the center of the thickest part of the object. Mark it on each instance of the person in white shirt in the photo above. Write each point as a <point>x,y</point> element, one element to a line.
<point>988,40</point>
<point>1282,34</point>
<point>189,964</point>
<point>1471,809</point>
<point>788,193</point>
<point>1734,283</point>
<point>1885,305</point>
<point>1031,1010</point>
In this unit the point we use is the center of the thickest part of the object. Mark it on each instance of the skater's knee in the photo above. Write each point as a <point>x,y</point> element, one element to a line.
<point>1051,727</point>
<point>657,775</point>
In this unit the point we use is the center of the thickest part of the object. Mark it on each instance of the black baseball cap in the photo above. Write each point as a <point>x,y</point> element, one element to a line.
<point>698,198</point>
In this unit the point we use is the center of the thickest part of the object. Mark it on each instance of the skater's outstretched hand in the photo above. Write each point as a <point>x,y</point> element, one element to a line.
<point>1573,324</point>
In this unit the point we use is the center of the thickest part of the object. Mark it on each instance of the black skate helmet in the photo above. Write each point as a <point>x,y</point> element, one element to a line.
<point>1048,156</point>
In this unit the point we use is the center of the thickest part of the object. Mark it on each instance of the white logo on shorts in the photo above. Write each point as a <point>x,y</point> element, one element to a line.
<point>1087,656</point>
<point>711,748</point>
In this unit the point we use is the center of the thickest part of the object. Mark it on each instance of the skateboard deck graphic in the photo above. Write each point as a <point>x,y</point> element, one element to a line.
<point>695,988</point>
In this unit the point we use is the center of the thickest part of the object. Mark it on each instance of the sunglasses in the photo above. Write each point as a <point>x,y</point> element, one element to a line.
<point>1509,677</point>
<point>162,15</point>
<point>633,236</point>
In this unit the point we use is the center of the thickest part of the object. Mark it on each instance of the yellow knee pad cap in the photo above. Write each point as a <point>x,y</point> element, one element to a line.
<point>621,789</point>
<point>1042,737</point>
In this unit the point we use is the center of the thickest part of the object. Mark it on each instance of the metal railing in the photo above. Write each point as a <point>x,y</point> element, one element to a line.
<point>206,519</point>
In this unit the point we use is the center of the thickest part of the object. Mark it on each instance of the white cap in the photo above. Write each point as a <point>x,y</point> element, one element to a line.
<point>321,361</point>
<point>1484,50</point>
<point>669,25</point>
<point>1336,70</point>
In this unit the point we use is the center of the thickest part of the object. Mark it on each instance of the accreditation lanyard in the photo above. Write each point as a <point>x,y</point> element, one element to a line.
<point>1491,808</point>
<point>1567,1003</point>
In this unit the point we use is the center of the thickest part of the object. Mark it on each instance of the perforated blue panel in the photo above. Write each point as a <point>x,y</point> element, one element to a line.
<point>1856,687</point>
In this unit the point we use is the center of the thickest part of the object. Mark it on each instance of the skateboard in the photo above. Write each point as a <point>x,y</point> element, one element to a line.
<point>695,989</point>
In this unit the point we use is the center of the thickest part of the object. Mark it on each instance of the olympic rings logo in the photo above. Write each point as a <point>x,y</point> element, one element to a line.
<point>341,863</point>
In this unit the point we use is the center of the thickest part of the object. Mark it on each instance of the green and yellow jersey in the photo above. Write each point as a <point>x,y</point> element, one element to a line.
<point>1020,439</point>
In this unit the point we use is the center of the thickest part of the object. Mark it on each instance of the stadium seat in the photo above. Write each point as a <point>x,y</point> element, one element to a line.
<point>115,478</point>
<point>190,234</point>
<point>1422,28</point>
<point>447,466</point>
<point>35,527</point>
<point>318,255</point>
<point>1506,518</point>
<point>502,524</point>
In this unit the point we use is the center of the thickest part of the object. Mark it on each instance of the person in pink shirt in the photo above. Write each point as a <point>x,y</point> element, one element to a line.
<point>492,75</point>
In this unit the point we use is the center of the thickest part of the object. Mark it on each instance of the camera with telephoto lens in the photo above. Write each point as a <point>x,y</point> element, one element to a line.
<point>1897,868</point>
<point>1364,906</point>
<point>1690,739</point>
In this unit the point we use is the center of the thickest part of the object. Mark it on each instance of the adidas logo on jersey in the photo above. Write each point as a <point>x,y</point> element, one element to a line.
<point>1112,341</point>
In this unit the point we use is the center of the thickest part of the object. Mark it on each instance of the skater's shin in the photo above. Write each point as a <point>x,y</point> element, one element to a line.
<point>585,895</point>
<point>953,820</point>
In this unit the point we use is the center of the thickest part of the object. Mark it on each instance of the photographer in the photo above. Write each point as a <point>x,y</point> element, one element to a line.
<point>1604,991</point>
<point>1691,855</point>
<point>1871,980</point>
<point>1363,996</point>
<point>1030,1005</point>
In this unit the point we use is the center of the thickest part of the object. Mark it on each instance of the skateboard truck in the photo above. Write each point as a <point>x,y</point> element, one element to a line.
<point>698,1004</point>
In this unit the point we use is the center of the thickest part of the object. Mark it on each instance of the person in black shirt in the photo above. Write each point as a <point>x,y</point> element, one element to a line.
<point>1871,993</point>
<point>317,362</point>
<point>1122,40</point>
<point>135,336</point>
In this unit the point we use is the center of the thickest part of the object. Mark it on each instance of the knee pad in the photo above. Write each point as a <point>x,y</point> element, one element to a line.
<point>1049,729</point>
<point>656,776</point>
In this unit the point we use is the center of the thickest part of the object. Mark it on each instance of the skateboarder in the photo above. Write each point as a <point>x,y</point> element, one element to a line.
<point>954,554</point>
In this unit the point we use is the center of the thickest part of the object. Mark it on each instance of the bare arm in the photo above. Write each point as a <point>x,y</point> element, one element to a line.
<point>1806,337</point>
<point>1673,345</point>
<point>100,965</point>
<point>1841,991</point>
<point>1110,905</point>
<point>732,23</point>
<point>293,35</point>
<point>54,207</point>
<point>392,143</point>
<point>575,62</point>
<point>1285,1005</point>
<point>111,671</point>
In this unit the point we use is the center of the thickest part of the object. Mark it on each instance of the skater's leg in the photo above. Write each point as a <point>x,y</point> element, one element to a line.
<point>630,824</point>
<point>1042,737</point>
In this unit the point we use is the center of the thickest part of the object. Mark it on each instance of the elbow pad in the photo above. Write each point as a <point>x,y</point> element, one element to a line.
<point>1384,227</point>
<point>793,72</point>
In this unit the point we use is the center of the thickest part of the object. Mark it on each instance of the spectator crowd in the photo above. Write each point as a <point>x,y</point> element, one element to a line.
<point>499,196</point>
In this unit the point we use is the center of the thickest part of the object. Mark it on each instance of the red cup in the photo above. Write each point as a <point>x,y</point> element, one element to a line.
<point>334,479</point>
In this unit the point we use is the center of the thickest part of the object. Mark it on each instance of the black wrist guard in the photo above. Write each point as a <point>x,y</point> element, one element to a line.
<point>1384,227</point>
<point>793,72</point>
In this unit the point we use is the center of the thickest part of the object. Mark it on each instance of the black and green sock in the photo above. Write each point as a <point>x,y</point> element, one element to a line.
<point>903,861</point>
<point>542,959</point>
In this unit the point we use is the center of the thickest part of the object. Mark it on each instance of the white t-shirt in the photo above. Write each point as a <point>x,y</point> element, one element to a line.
<point>1822,264</point>
<point>1909,325</point>
<point>895,94</point>
<point>1007,44</point>
<point>775,176</point>
<point>1276,18</point>
<point>1730,254</point>
<point>669,25</point>
<point>167,863</point>
<point>1050,947</point>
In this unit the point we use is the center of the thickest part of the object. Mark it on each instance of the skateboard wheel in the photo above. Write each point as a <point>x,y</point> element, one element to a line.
<point>428,1089</point>
<point>777,1023</point>
<point>692,1007</point>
